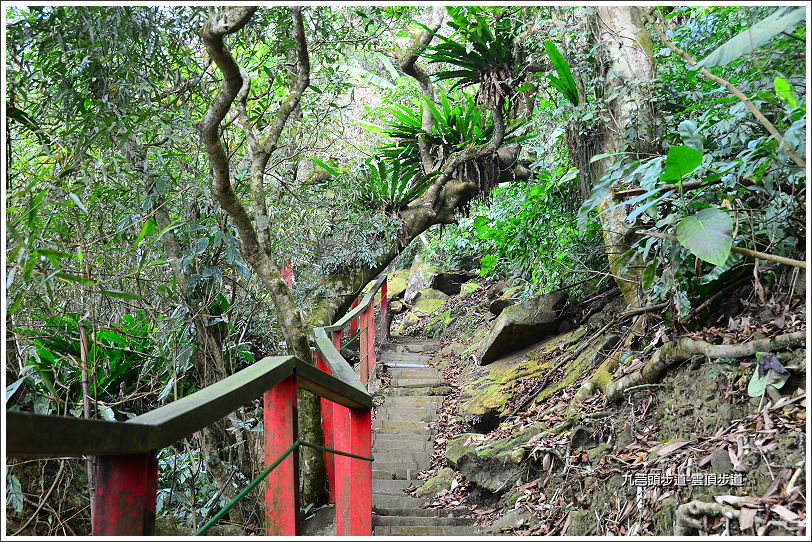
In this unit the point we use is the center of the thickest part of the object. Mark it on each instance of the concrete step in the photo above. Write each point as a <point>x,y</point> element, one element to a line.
<point>411,343</point>
<point>384,445</point>
<point>420,520</point>
<point>406,407</point>
<point>406,470</point>
<point>415,400</point>
<point>393,487</point>
<point>410,392</point>
<point>424,416</point>
<point>403,365</point>
<point>427,382</point>
<point>423,512</point>
<point>401,502</point>
<point>415,372</point>
<point>398,424</point>
<point>423,530</point>
<point>392,456</point>
<point>403,357</point>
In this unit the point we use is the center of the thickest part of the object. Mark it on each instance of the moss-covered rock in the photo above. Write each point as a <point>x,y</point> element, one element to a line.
<point>420,278</point>
<point>468,288</point>
<point>492,464</point>
<point>459,447</point>
<point>437,483</point>
<point>582,523</point>
<point>428,301</point>
<point>489,389</point>
<point>396,283</point>
<point>409,319</point>
<point>665,518</point>
<point>523,324</point>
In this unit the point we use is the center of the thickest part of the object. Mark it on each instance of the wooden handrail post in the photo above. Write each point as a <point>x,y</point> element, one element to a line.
<point>126,491</point>
<point>370,331</point>
<point>364,348</point>
<point>384,301</point>
<point>353,433</point>
<point>327,430</point>
<point>354,322</point>
<point>281,492</point>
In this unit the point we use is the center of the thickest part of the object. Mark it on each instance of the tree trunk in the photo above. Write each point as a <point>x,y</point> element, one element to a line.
<point>628,67</point>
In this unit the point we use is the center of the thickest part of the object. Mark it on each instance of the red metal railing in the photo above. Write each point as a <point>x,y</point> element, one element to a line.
<point>128,469</point>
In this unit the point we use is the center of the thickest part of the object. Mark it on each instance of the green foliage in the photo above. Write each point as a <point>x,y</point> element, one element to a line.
<point>525,231</point>
<point>485,53</point>
<point>118,358</point>
<point>564,82</point>
<point>390,186</point>
<point>783,20</point>
<point>708,235</point>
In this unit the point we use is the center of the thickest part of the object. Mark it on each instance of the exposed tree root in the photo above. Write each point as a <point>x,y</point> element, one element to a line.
<point>689,516</point>
<point>680,350</point>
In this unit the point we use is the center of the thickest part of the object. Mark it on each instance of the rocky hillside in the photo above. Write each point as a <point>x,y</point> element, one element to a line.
<point>588,419</point>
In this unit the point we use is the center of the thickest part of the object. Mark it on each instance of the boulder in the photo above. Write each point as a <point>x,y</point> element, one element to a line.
<point>434,485</point>
<point>421,276</point>
<point>450,282</point>
<point>497,289</point>
<point>523,324</point>
<point>395,306</point>
<point>427,301</point>
<point>468,288</point>
<point>396,283</point>
<point>498,305</point>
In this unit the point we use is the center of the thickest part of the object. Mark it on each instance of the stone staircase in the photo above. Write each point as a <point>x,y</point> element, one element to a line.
<point>402,445</point>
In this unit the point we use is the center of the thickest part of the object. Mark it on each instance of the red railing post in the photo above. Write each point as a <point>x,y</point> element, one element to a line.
<point>327,430</point>
<point>287,273</point>
<point>353,434</point>
<point>384,301</point>
<point>354,321</point>
<point>126,491</point>
<point>281,500</point>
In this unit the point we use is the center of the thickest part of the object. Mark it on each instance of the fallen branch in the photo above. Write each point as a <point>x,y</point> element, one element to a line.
<point>685,348</point>
<point>738,250</point>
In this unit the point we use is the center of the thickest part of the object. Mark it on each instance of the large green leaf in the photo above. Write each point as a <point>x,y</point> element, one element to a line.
<point>752,38</point>
<point>564,82</point>
<point>784,91</point>
<point>598,193</point>
<point>681,161</point>
<point>707,234</point>
<point>690,134</point>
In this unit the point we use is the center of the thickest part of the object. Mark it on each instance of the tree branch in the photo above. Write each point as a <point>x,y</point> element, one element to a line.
<point>739,250</point>
<point>732,88</point>
<point>408,63</point>
<point>216,28</point>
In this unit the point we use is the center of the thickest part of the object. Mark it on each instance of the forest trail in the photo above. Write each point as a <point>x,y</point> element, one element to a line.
<point>403,445</point>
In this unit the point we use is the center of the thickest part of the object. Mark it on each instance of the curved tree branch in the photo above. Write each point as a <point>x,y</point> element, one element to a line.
<point>408,63</point>
<point>216,28</point>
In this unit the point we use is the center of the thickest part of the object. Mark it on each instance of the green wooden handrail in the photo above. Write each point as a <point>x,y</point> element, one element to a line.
<point>37,435</point>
